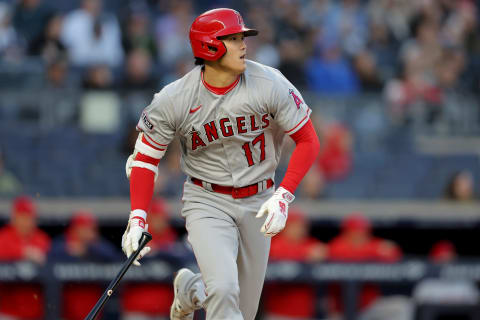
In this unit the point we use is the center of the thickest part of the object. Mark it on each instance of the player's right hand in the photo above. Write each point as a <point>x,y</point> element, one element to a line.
<point>276,209</point>
<point>131,237</point>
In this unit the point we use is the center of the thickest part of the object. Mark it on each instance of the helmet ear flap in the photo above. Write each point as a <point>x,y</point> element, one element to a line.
<point>214,50</point>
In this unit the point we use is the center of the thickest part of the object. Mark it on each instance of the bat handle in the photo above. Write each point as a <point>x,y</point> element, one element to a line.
<point>146,237</point>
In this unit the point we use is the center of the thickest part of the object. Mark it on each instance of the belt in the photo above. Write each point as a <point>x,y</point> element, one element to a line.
<point>236,193</point>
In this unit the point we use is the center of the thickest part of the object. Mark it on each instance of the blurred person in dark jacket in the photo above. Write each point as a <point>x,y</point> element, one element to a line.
<point>138,72</point>
<point>293,301</point>
<point>48,44</point>
<point>151,301</point>
<point>30,18</point>
<point>81,243</point>
<point>22,240</point>
<point>137,33</point>
<point>356,243</point>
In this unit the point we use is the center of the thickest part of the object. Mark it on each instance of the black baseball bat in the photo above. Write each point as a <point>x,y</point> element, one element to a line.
<point>146,237</point>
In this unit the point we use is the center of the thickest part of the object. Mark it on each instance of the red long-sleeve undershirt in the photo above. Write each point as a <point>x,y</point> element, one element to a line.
<point>305,152</point>
<point>303,156</point>
<point>142,181</point>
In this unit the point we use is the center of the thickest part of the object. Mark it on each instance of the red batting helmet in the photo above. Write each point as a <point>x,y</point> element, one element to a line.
<point>212,24</point>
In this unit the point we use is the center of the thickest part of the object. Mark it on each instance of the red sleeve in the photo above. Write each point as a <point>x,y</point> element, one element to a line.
<point>142,181</point>
<point>303,156</point>
<point>11,248</point>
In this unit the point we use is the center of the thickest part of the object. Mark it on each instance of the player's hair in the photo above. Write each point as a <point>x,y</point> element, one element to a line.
<point>199,62</point>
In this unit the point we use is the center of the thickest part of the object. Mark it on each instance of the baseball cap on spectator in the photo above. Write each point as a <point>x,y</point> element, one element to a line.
<point>443,251</point>
<point>158,207</point>
<point>83,218</point>
<point>24,205</point>
<point>356,221</point>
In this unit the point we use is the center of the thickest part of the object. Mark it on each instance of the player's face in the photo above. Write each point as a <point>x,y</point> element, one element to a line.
<point>234,59</point>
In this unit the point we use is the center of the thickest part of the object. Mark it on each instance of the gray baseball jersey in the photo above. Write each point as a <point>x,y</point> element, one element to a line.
<point>233,139</point>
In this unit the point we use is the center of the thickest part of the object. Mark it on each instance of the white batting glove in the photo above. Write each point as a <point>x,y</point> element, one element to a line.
<point>131,237</point>
<point>277,209</point>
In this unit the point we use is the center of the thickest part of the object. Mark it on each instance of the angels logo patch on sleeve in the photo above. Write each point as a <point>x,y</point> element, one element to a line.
<point>296,98</point>
<point>147,121</point>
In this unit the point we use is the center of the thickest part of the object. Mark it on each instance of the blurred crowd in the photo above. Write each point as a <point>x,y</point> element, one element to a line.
<point>413,50</point>
<point>101,60</point>
<point>81,241</point>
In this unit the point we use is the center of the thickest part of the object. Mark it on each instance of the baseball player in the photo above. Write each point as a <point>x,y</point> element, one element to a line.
<point>231,116</point>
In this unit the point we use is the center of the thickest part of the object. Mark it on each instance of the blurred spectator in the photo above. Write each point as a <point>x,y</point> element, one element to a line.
<point>9,184</point>
<point>30,18</point>
<point>290,60</point>
<point>92,36</point>
<point>443,252</point>
<point>460,187</point>
<point>418,90</point>
<point>21,240</point>
<point>313,184</point>
<point>368,74</point>
<point>139,73</point>
<point>8,35</point>
<point>294,42</point>
<point>314,12</point>
<point>448,72</point>
<point>345,21</point>
<point>81,243</point>
<point>149,301</point>
<point>383,49</point>
<point>57,74</point>
<point>395,15</point>
<point>171,32</point>
<point>329,72</point>
<point>98,77</point>
<point>293,301</point>
<point>356,243</point>
<point>138,34</point>
<point>48,45</point>
<point>262,47</point>
<point>335,158</point>
<point>444,292</point>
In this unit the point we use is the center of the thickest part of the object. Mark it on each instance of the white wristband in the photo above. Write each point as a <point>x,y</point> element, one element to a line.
<point>138,213</point>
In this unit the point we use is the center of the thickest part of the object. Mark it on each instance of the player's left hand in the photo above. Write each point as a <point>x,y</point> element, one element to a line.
<point>277,209</point>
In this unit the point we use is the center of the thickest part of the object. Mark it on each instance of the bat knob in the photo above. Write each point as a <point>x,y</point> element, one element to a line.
<point>146,237</point>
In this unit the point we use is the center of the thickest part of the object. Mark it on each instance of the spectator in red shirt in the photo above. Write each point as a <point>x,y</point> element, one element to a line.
<point>293,301</point>
<point>21,240</point>
<point>356,243</point>
<point>335,158</point>
<point>81,243</point>
<point>149,301</point>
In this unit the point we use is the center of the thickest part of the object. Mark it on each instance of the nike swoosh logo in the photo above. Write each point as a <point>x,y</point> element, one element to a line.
<point>192,110</point>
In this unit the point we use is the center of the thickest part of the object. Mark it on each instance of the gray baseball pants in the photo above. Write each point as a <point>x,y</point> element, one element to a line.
<point>231,252</point>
